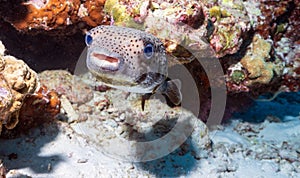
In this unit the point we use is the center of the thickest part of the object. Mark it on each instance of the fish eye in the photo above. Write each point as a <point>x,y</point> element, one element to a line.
<point>88,39</point>
<point>148,51</point>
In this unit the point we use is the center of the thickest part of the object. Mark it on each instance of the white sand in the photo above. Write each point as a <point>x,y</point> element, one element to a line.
<point>61,153</point>
<point>240,149</point>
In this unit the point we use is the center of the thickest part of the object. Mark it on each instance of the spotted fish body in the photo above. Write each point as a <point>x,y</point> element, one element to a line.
<point>130,60</point>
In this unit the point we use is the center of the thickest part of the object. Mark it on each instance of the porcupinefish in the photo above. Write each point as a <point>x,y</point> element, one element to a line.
<point>130,60</point>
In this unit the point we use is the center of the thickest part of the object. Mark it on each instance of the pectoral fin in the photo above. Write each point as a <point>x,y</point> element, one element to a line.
<point>171,90</point>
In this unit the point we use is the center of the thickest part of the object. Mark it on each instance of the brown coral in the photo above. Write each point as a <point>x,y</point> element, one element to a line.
<point>38,108</point>
<point>54,14</point>
<point>50,15</point>
<point>95,15</point>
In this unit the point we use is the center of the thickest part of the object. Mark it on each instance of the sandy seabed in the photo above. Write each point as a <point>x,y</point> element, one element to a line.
<point>240,148</point>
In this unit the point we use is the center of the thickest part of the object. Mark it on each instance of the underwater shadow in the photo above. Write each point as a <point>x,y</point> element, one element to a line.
<point>177,163</point>
<point>40,49</point>
<point>13,10</point>
<point>24,151</point>
<point>285,104</point>
<point>43,51</point>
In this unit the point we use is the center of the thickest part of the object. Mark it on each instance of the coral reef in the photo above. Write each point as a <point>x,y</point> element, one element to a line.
<point>270,23</point>
<point>37,109</point>
<point>16,81</point>
<point>279,23</point>
<point>256,41</point>
<point>127,13</point>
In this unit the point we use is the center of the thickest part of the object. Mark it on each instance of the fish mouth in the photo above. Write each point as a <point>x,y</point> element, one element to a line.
<point>103,60</point>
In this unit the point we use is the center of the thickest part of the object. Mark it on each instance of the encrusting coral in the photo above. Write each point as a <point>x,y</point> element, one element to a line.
<point>55,14</point>
<point>254,68</point>
<point>38,108</point>
<point>231,23</point>
<point>255,62</point>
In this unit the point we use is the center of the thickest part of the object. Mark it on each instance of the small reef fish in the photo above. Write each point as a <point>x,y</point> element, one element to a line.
<point>130,60</point>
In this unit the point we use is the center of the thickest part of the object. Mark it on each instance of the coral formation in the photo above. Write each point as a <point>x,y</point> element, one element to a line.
<point>93,13</point>
<point>181,26</point>
<point>23,103</point>
<point>259,70</point>
<point>129,13</point>
<point>54,14</point>
<point>230,23</point>
<point>254,68</point>
<point>255,62</point>
<point>16,81</point>
<point>6,100</point>
<point>270,23</point>
<point>38,108</point>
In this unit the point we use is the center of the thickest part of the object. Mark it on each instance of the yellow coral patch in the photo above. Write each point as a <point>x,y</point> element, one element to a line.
<point>259,71</point>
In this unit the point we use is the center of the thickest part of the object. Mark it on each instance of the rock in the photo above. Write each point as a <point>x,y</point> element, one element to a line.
<point>69,110</point>
<point>268,166</point>
<point>255,63</point>
<point>6,100</point>
<point>289,155</point>
<point>159,132</point>
<point>66,84</point>
<point>180,26</point>
<point>2,170</point>
<point>16,81</point>
<point>286,167</point>
<point>82,160</point>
